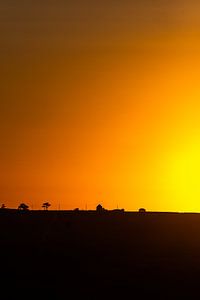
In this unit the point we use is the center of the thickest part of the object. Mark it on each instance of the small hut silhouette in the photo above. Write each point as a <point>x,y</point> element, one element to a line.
<point>99,208</point>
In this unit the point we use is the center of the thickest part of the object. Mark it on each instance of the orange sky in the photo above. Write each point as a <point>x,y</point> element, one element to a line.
<point>100,102</point>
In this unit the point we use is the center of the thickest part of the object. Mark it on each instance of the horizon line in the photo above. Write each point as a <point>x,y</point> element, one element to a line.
<point>104,211</point>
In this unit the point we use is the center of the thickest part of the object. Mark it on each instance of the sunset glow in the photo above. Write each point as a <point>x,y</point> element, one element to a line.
<point>100,103</point>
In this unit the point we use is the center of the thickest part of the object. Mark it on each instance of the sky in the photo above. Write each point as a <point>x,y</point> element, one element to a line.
<point>100,103</point>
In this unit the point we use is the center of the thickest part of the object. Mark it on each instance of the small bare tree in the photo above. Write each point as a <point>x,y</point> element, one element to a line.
<point>46,205</point>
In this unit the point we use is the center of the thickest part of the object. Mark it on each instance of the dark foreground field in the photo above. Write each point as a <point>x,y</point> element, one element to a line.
<point>89,255</point>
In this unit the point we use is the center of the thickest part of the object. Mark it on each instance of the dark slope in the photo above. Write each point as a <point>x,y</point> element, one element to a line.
<point>94,256</point>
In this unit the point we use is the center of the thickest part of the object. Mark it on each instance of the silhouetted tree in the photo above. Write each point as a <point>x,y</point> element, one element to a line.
<point>23,206</point>
<point>3,206</point>
<point>46,205</point>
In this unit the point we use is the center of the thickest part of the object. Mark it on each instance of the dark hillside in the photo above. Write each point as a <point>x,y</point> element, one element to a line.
<point>100,255</point>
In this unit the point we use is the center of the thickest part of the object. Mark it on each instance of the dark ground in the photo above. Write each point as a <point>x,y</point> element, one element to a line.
<point>89,255</point>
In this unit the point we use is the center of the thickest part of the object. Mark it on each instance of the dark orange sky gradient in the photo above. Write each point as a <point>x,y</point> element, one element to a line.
<point>100,102</point>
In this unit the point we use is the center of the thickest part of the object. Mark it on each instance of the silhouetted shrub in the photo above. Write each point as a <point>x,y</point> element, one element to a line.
<point>142,210</point>
<point>23,206</point>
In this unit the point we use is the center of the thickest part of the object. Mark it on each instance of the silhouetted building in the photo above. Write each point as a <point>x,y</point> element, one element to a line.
<point>99,208</point>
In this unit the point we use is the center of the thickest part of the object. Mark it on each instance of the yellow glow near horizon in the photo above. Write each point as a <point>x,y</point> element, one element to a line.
<point>181,178</point>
